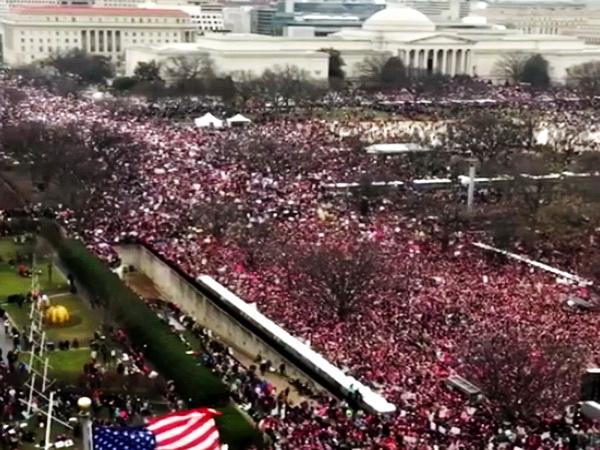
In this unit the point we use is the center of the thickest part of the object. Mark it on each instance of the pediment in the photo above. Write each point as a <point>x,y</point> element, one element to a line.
<point>441,39</point>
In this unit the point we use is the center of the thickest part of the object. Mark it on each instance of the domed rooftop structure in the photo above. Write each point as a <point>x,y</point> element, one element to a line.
<point>398,18</point>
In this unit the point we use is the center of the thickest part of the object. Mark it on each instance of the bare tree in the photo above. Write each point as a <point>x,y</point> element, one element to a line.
<point>282,85</point>
<point>371,67</point>
<point>190,67</point>
<point>488,136</point>
<point>254,237</point>
<point>522,373</point>
<point>585,78</point>
<point>190,73</point>
<point>68,164</point>
<point>341,277</point>
<point>218,215</point>
<point>45,151</point>
<point>247,85</point>
<point>510,66</point>
<point>82,66</point>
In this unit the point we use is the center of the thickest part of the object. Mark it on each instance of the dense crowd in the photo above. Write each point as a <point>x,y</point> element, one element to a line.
<point>22,415</point>
<point>405,338</point>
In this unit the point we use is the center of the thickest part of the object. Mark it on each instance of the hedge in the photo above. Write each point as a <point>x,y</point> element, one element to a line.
<point>198,385</point>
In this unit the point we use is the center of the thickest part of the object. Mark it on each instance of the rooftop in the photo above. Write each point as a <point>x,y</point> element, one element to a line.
<point>86,10</point>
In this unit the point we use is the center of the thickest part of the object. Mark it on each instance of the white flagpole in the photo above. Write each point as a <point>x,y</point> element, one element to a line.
<point>41,350</point>
<point>45,375</point>
<point>47,444</point>
<point>31,355</point>
<point>31,388</point>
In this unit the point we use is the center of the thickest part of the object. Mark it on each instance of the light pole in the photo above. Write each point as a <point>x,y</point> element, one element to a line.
<point>84,404</point>
<point>471,187</point>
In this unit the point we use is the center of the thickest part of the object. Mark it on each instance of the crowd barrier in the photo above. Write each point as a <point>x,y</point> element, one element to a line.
<point>463,180</point>
<point>560,273</point>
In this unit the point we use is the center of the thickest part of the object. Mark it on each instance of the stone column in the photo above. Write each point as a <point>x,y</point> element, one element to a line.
<point>443,70</point>
<point>458,61</point>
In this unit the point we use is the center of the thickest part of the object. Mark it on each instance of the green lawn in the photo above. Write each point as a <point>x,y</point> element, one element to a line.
<point>12,283</point>
<point>66,366</point>
<point>83,321</point>
<point>81,327</point>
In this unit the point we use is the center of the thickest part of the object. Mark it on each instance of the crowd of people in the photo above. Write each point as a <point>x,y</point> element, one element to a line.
<point>405,338</point>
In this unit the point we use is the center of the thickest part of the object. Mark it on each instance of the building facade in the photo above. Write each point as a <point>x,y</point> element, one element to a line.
<point>441,11</point>
<point>206,17</point>
<point>579,20</point>
<point>238,19</point>
<point>327,17</point>
<point>262,20</point>
<point>35,33</point>
<point>471,47</point>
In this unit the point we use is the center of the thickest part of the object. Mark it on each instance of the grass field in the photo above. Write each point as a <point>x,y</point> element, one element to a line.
<point>82,325</point>
<point>66,366</point>
<point>12,283</point>
<point>83,322</point>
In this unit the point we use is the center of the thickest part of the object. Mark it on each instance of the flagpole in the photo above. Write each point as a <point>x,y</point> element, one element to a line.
<point>84,404</point>
<point>47,443</point>
<point>31,389</point>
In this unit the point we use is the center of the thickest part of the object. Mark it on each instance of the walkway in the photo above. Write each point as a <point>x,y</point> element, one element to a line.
<point>6,343</point>
<point>145,287</point>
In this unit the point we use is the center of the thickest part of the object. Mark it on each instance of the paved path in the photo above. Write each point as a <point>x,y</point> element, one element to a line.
<point>6,343</point>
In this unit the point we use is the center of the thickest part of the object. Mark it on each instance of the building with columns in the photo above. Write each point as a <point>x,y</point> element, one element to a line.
<point>571,19</point>
<point>37,32</point>
<point>470,46</point>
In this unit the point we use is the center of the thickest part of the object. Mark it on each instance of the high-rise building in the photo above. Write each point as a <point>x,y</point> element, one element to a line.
<point>262,20</point>
<point>318,18</point>
<point>442,10</point>
<point>326,17</point>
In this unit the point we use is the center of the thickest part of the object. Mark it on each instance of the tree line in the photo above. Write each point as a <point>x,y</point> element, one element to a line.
<point>196,75</point>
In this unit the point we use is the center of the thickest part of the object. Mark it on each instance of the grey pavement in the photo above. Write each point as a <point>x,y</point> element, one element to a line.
<point>6,343</point>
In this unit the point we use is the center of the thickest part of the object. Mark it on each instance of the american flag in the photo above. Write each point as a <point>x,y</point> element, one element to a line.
<point>187,430</point>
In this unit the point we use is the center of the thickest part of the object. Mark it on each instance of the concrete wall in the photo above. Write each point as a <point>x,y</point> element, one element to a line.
<point>178,290</point>
<point>316,63</point>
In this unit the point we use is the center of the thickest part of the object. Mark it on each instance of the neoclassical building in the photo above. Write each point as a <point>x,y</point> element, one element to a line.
<point>34,33</point>
<point>471,46</point>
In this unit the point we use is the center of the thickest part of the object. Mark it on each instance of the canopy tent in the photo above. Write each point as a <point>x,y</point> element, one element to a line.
<point>238,119</point>
<point>208,120</point>
<point>393,149</point>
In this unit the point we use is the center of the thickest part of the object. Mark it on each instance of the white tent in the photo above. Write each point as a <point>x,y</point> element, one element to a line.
<point>208,120</point>
<point>238,119</point>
